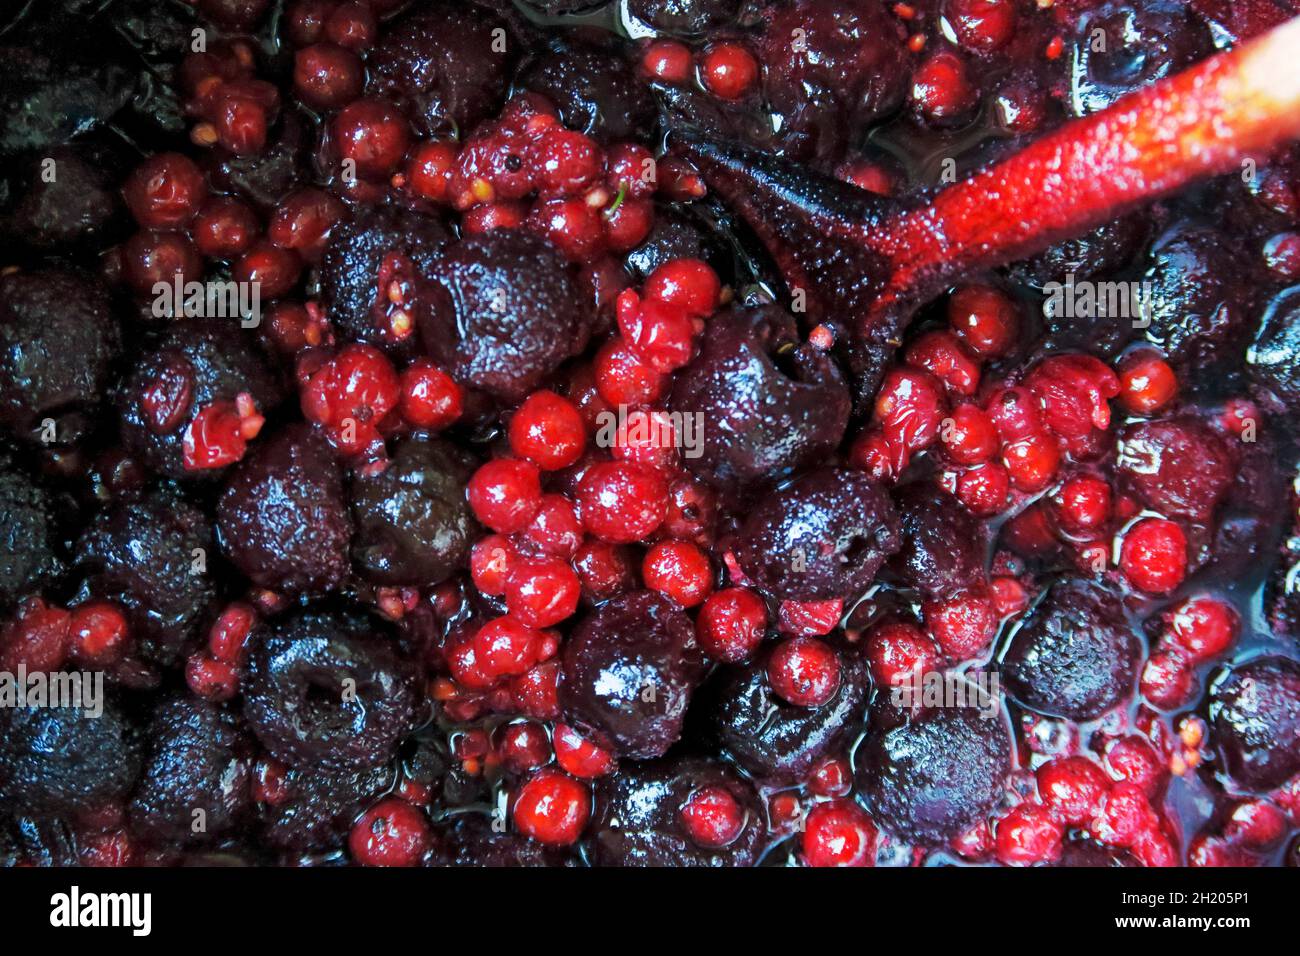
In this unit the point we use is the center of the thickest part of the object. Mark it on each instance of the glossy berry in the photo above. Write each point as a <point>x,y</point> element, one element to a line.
<point>983,489</point>
<point>578,756</point>
<point>522,745</point>
<point>941,87</point>
<point>728,70</point>
<point>982,25</point>
<point>899,652</point>
<point>224,228</point>
<point>565,163</point>
<point>98,632</point>
<point>430,398</point>
<point>489,564</point>
<point>962,625</point>
<point>391,833</point>
<point>542,592</point>
<point>1072,788</point>
<point>556,528</point>
<point>690,284</point>
<point>1203,627</point>
<point>667,61</point>
<point>679,570</point>
<point>804,671</point>
<point>838,833</point>
<point>1147,383</point>
<point>351,394</point>
<point>506,647</point>
<point>1032,462</point>
<point>165,191</point>
<point>552,808</point>
<point>910,407</point>
<point>731,624</point>
<point>942,354</point>
<point>661,334</point>
<point>985,319</point>
<point>219,434</point>
<point>712,817</point>
<point>1028,834</point>
<point>622,501</point>
<point>968,435</point>
<point>327,76</point>
<point>505,494</point>
<point>548,431</point>
<point>370,137</point>
<point>1083,504</point>
<point>623,379</point>
<point>1154,555</point>
<point>429,169</point>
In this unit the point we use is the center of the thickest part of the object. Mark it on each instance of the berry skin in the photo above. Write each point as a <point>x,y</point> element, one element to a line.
<point>969,436</point>
<point>667,61</point>
<point>489,563</point>
<point>984,319</point>
<point>679,570</point>
<point>838,833</point>
<point>548,431</point>
<point>542,592</point>
<point>505,494</point>
<point>910,407</point>
<point>983,490</point>
<point>1154,555</point>
<point>731,624</point>
<point>351,394</point>
<point>505,647</point>
<point>327,76</point>
<point>1028,834</point>
<point>661,334</point>
<point>98,631</point>
<point>373,135</point>
<point>1083,504</point>
<point>621,501</point>
<point>1146,382</point>
<point>942,355</point>
<point>809,618</point>
<point>898,651</point>
<point>552,808</point>
<point>623,379</point>
<point>565,163</point>
<point>941,88</point>
<point>556,528</point>
<point>1203,627</point>
<point>429,169</point>
<point>728,70</point>
<point>804,671</point>
<point>578,756</point>
<point>430,397</point>
<point>165,191</point>
<point>962,625</point>
<point>712,817</point>
<point>224,228</point>
<point>1032,462</point>
<point>689,284</point>
<point>391,833</point>
<point>1072,788</point>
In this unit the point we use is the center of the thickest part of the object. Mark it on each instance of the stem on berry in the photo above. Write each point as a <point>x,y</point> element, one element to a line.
<point>1200,122</point>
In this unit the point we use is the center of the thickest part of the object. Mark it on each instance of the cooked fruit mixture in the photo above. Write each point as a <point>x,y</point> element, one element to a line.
<point>656,433</point>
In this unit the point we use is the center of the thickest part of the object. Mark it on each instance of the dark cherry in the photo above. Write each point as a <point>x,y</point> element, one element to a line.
<point>328,689</point>
<point>29,535</point>
<point>1075,655</point>
<point>772,404</point>
<point>773,739</point>
<point>283,516</point>
<point>1255,720</point>
<point>195,363</point>
<point>942,549</point>
<point>595,90</point>
<point>639,817</point>
<point>196,760</point>
<point>514,313</point>
<point>825,535</point>
<point>58,339</point>
<point>57,761</point>
<point>413,526</point>
<point>937,774</point>
<point>628,672</point>
<point>1177,466</point>
<point>156,558</point>
<point>447,67</point>
<point>318,804</point>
